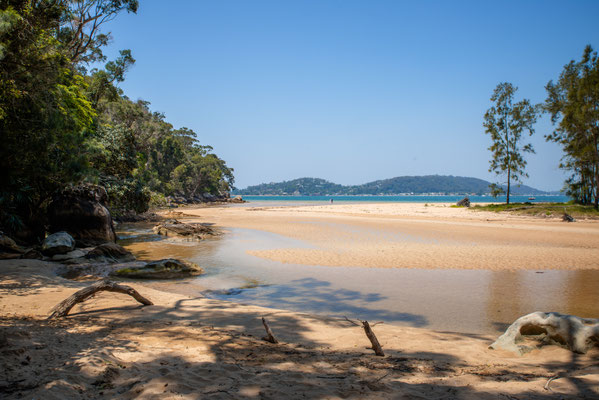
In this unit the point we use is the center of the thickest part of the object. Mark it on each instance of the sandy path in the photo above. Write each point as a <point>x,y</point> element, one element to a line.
<point>404,235</point>
<point>196,348</point>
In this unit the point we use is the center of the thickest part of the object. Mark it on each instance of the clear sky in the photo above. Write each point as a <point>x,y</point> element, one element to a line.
<point>350,91</point>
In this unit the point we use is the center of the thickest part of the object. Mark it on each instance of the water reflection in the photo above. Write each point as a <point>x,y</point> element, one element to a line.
<point>476,301</point>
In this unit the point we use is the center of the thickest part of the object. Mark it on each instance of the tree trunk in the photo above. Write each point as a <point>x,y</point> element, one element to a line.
<point>509,177</point>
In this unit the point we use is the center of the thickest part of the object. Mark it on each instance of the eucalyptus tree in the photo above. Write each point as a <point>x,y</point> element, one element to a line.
<point>505,121</point>
<point>573,102</point>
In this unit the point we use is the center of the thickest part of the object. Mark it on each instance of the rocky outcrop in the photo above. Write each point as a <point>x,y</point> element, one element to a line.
<point>110,252</point>
<point>465,202</point>
<point>172,227</point>
<point>58,243</point>
<point>162,269</point>
<point>81,211</point>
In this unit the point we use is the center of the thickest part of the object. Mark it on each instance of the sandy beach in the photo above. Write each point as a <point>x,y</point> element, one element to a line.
<point>415,235</point>
<point>193,347</point>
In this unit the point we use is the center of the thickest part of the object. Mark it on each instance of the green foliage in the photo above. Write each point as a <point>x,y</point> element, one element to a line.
<point>60,125</point>
<point>505,122</point>
<point>573,104</point>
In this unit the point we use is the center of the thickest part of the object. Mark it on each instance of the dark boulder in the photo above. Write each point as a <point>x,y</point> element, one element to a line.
<point>162,269</point>
<point>465,202</point>
<point>82,212</point>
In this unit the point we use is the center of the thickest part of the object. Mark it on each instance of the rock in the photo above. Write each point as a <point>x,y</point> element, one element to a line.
<point>77,253</point>
<point>237,199</point>
<point>9,246</point>
<point>110,252</point>
<point>568,218</point>
<point>9,256</point>
<point>162,269</point>
<point>575,333</point>
<point>32,254</point>
<point>465,202</point>
<point>208,196</point>
<point>172,227</point>
<point>81,211</point>
<point>58,243</point>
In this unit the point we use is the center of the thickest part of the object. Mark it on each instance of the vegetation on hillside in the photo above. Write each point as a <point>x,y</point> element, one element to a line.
<point>62,123</point>
<point>398,185</point>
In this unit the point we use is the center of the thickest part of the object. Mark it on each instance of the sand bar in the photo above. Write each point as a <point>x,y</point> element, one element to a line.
<point>415,235</point>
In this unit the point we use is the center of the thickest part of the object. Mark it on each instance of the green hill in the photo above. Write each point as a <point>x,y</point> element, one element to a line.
<point>399,185</point>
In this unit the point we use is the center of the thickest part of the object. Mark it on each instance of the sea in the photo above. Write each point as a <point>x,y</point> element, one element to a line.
<point>312,200</point>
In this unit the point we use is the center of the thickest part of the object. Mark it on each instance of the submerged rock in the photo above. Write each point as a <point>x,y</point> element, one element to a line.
<point>172,227</point>
<point>58,243</point>
<point>162,269</point>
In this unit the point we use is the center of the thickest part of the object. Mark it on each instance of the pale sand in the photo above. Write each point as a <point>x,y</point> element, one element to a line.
<point>196,348</point>
<point>412,235</point>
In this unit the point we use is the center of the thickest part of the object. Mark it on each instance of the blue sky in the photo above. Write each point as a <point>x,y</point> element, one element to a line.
<point>350,91</point>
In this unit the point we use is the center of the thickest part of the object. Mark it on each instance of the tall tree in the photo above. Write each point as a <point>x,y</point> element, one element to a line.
<point>573,103</point>
<point>505,121</point>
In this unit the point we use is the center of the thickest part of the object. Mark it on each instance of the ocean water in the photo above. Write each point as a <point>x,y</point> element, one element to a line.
<point>298,200</point>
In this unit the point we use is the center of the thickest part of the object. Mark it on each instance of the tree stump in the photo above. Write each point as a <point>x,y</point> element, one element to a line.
<point>62,309</point>
<point>575,333</point>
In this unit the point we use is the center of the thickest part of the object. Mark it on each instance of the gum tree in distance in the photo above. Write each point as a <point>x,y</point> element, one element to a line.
<point>505,122</point>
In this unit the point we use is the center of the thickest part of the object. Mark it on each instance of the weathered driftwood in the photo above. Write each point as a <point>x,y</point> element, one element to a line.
<point>575,333</point>
<point>376,346</point>
<point>378,350</point>
<point>269,335</point>
<point>63,308</point>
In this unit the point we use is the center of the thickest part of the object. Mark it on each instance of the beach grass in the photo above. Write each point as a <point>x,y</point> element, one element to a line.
<point>543,209</point>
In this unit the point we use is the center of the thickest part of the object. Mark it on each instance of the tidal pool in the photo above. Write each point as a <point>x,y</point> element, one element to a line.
<point>472,301</point>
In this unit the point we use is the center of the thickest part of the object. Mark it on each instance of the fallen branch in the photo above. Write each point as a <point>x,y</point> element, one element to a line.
<point>378,350</point>
<point>350,321</point>
<point>546,387</point>
<point>62,309</point>
<point>269,335</point>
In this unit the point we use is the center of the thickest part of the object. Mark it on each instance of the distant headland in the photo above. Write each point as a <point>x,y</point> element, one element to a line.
<point>427,184</point>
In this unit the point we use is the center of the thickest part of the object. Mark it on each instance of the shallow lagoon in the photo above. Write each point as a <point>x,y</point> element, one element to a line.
<point>475,301</point>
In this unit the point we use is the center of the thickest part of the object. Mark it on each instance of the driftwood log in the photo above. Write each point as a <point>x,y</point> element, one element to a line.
<point>575,333</point>
<point>270,337</point>
<point>62,309</point>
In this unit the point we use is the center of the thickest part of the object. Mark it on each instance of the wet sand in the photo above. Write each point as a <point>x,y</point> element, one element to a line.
<point>412,235</point>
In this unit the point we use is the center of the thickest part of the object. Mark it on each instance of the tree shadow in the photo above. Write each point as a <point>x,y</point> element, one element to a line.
<point>92,355</point>
<point>316,296</point>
